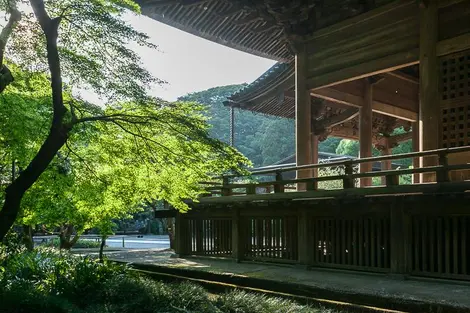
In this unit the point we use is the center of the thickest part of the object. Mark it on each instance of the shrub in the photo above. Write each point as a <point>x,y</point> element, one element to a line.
<point>239,301</point>
<point>81,243</point>
<point>48,280</point>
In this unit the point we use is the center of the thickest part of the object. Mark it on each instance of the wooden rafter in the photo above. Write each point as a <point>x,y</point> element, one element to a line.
<point>341,118</point>
<point>344,98</point>
<point>403,76</point>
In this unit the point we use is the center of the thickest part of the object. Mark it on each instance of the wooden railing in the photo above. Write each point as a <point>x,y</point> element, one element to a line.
<point>227,185</point>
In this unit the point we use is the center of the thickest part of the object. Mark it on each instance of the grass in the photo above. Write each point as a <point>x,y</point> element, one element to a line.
<point>46,280</point>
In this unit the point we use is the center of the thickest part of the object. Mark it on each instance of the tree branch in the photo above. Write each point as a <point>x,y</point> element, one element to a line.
<point>15,17</point>
<point>50,27</point>
<point>85,163</point>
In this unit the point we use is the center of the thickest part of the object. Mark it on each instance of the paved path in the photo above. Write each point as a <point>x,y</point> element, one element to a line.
<point>146,242</point>
<point>431,291</point>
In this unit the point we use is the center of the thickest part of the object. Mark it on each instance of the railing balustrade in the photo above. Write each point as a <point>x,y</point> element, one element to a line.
<point>227,185</point>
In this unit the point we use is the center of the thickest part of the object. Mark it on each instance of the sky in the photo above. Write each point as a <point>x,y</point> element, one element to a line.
<point>189,63</point>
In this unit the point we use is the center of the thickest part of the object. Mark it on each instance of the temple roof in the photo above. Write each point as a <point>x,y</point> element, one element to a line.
<point>265,28</point>
<point>273,93</point>
<point>267,93</point>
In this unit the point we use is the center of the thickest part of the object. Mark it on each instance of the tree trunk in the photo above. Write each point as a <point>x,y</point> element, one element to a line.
<point>16,190</point>
<point>65,234</point>
<point>103,244</point>
<point>58,132</point>
<point>28,237</point>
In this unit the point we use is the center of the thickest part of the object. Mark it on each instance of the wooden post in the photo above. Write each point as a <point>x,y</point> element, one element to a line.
<point>237,239</point>
<point>400,243</point>
<point>179,235</point>
<point>303,116</point>
<point>415,143</point>
<point>348,181</point>
<point>232,127</point>
<point>226,191</point>
<point>429,118</point>
<point>386,165</point>
<point>365,132</point>
<point>278,188</point>
<point>304,245</point>
<point>315,143</point>
<point>443,173</point>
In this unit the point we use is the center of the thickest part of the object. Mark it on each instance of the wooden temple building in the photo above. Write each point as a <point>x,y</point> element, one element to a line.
<point>354,69</point>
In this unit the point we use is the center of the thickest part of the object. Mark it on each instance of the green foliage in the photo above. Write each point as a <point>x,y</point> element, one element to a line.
<point>81,243</point>
<point>351,148</point>
<point>331,184</point>
<point>239,301</point>
<point>329,145</point>
<point>93,47</point>
<point>262,139</point>
<point>152,150</point>
<point>48,281</point>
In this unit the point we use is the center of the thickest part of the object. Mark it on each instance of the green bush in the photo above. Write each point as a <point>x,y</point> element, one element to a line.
<point>47,280</point>
<point>81,243</point>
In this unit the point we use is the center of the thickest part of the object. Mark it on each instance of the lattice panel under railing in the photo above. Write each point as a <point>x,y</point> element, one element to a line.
<point>455,99</point>
<point>440,246</point>
<point>271,238</point>
<point>209,236</point>
<point>351,243</point>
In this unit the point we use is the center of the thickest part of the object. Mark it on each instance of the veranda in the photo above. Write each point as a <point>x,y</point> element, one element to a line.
<point>358,70</point>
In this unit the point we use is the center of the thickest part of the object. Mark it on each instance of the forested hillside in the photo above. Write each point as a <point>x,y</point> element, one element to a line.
<point>264,139</point>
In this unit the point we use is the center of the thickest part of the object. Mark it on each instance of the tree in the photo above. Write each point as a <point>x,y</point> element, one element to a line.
<point>351,148</point>
<point>329,145</point>
<point>92,53</point>
<point>254,133</point>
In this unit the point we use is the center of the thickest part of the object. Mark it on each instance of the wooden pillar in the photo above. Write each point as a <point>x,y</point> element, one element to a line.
<point>386,164</point>
<point>303,238</point>
<point>237,236</point>
<point>400,244</point>
<point>415,142</point>
<point>429,118</point>
<point>315,143</point>
<point>232,126</point>
<point>365,132</point>
<point>180,231</point>
<point>303,116</point>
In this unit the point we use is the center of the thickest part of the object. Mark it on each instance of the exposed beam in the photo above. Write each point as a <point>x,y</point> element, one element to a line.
<point>446,3</point>
<point>359,19</point>
<point>341,118</point>
<point>393,140</point>
<point>344,98</point>
<point>370,68</point>
<point>453,45</point>
<point>386,64</point>
<point>401,137</point>
<point>345,133</point>
<point>403,76</point>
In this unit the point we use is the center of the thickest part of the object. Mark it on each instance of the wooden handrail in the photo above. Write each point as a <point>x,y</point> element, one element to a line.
<point>356,161</point>
<point>442,173</point>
